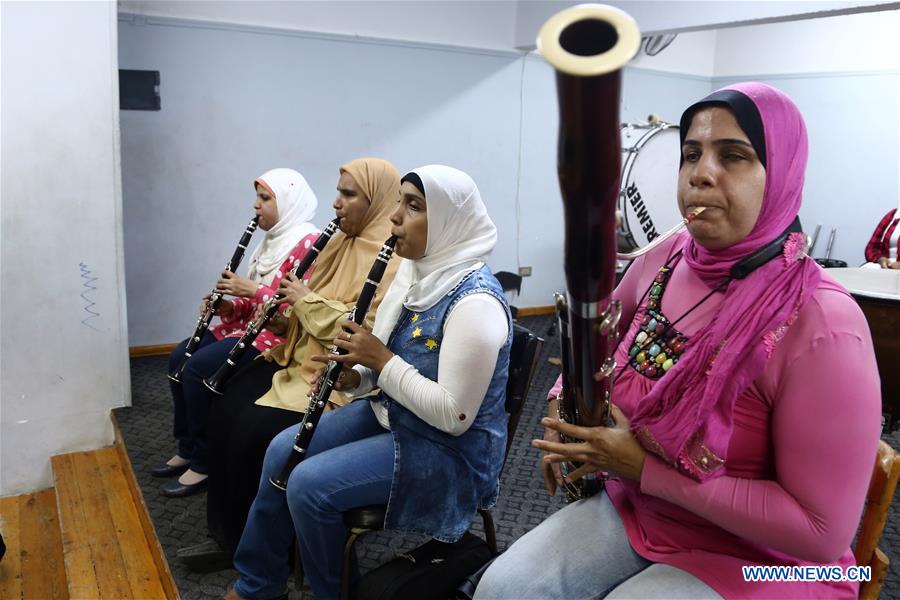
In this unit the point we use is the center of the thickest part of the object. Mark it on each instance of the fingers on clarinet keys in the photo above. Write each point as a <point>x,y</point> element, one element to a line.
<point>317,380</point>
<point>347,380</point>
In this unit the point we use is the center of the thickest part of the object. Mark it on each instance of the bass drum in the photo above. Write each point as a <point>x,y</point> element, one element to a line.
<point>648,201</point>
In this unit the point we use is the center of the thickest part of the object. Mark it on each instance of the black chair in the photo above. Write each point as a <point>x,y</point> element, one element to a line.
<point>510,282</point>
<point>523,358</point>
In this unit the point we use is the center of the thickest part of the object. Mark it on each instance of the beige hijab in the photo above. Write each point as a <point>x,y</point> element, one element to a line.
<point>338,278</point>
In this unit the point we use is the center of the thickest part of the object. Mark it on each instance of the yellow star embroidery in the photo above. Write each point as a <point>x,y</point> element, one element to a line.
<point>431,344</point>
<point>417,332</point>
<point>414,318</point>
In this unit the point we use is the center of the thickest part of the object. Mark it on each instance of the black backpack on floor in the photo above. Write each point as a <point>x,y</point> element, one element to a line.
<point>430,572</point>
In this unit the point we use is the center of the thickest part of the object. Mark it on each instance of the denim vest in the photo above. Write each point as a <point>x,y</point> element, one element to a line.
<point>441,480</point>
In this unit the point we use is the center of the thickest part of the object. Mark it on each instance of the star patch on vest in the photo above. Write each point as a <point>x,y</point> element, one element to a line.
<point>417,332</point>
<point>431,344</point>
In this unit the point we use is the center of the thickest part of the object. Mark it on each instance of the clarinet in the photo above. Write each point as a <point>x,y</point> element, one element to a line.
<point>213,303</point>
<point>216,382</point>
<point>588,45</point>
<point>333,369</point>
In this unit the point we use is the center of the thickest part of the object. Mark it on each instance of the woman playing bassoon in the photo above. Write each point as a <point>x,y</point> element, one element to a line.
<point>746,400</point>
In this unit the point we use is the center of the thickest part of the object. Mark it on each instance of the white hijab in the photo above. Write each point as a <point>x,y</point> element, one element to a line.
<point>461,237</point>
<point>296,208</point>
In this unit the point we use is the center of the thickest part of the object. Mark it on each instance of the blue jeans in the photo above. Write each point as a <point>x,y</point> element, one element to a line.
<point>349,463</point>
<point>192,399</point>
<point>582,551</point>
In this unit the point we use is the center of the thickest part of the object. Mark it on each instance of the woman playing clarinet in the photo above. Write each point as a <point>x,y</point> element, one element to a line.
<point>746,397</point>
<point>268,395</point>
<point>284,205</point>
<point>440,355</point>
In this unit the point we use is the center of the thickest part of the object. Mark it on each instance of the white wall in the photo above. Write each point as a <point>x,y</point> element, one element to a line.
<point>692,53</point>
<point>63,345</point>
<point>657,16</point>
<point>844,74</point>
<point>186,168</point>
<point>851,43</point>
<point>237,102</point>
<point>476,23</point>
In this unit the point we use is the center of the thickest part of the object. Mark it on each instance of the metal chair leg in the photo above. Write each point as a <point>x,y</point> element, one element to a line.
<point>345,567</point>
<point>490,533</point>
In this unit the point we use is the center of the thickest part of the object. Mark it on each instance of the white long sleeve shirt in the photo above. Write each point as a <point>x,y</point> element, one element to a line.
<point>474,332</point>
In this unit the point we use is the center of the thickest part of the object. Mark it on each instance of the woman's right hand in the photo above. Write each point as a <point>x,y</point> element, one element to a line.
<point>224,309</point>
<point>551,471</point>
<point>293,289</point>
<point>278,324</point>
<point>349,379</point>
<point>235,285</point>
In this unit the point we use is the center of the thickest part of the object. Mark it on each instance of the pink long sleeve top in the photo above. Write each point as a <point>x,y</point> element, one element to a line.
<point>236,323</point>
<point>799,460</point>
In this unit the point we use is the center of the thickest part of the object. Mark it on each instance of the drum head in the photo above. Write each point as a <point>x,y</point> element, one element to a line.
<point>648,192</point>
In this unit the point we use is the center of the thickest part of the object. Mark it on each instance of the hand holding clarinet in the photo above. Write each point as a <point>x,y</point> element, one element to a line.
<point>224,308</point>
<point>234,285</point>
<point>361,347</point>
<point>213,300</point>
<point>354,345</point>
<point>291,290</point>
<point>217,381</point>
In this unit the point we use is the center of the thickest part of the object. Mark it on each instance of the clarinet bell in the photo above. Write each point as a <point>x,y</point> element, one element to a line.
<point>214,383</point>
<point>177,373</point>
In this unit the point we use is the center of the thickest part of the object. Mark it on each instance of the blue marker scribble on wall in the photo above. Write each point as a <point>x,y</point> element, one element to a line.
<point>89,280</point>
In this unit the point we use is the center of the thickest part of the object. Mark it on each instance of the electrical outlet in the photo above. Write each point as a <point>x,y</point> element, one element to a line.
<point>525,271</point>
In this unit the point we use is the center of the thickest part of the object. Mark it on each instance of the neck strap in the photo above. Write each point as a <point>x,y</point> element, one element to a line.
<point>753,261</point>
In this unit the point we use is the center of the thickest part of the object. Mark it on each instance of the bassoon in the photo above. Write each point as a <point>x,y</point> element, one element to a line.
<point>333,369</point>
<point>212,304</point>
<point>588,45</point>
<point>216,382</point>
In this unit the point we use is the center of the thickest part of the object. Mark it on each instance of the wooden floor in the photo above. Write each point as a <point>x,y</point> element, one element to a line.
<point>89,537</point>
<point>106,552</point>
<point>33,565</point>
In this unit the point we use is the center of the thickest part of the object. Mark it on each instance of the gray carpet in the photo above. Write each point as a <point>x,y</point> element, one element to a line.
<point>147,429</point>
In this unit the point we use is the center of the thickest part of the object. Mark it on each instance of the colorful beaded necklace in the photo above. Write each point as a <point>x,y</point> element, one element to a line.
<point>657,345</point>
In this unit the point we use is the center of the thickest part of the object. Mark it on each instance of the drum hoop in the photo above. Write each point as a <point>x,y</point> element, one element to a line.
<point>633,151</point>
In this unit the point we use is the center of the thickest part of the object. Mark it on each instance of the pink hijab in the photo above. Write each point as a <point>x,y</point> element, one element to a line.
<point>686,418</point>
